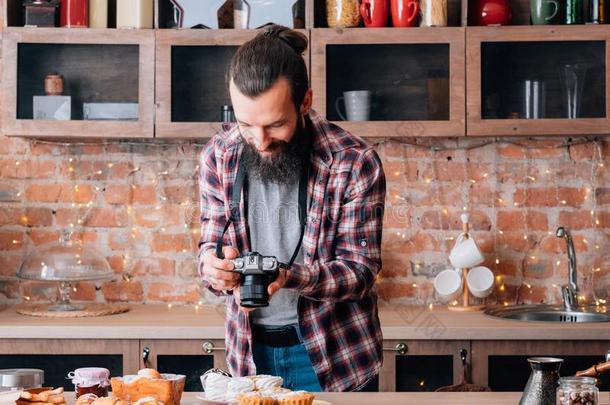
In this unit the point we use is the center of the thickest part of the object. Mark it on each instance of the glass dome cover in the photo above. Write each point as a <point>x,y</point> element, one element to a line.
<point>65,260</point>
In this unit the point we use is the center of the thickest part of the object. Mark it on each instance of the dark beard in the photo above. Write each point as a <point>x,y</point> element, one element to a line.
<point>284,167</point>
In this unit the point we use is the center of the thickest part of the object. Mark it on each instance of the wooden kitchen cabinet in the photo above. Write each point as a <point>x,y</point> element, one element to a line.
<point>416,78</point>
<point>98,65</point>
<point>503,366</point>
<point>189,357</point>
<point>421,365</point>
<point>191,85</point>
<point>57,357</point>
<point>504,63</point>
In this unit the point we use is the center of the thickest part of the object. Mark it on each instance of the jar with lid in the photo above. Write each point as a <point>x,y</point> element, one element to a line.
<point>343,13</point>
<point>15,379</point>
<point>577,391</point>
<point>90,380</point>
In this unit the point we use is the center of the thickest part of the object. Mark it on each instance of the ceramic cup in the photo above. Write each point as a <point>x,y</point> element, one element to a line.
<point>543,11</point>
<point>480,281</point>
<point>448,284</point>
<point>357,105</point>
<point>465,254</point>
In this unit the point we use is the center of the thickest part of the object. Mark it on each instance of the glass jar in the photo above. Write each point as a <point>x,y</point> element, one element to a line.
<point>40,13</point>
<point>15,379</point>
<point>90,380</point>
<point>577,391</point>
<point>433,13</point>
<point>343,13</point>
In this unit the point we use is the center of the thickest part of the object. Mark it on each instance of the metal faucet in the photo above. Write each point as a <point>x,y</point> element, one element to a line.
<point>569,292</point>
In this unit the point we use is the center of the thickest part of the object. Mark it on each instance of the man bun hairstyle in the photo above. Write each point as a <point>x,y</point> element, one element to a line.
<point>275,52</point>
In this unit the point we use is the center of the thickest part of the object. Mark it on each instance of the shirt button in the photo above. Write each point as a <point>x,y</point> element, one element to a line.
<point>363,243</point>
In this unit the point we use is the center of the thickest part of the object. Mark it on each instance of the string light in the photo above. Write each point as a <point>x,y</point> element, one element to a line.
<point>427,180</point>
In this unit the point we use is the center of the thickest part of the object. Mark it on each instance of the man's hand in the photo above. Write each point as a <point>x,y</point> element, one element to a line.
<point>237,296</point>
<point>219,272</point>
<point>277,283</point>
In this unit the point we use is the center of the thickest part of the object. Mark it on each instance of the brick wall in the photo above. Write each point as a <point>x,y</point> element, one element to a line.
<point>137,204</point>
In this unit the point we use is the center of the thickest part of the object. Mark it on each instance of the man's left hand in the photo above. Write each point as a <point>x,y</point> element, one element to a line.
<point>277,283</point>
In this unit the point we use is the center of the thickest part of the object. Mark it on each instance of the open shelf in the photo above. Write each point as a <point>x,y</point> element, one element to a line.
<point>98,66</point>
<point>416,79</point>
<point>501,59</point>
<point>227,14</point>
<point>191,86</point>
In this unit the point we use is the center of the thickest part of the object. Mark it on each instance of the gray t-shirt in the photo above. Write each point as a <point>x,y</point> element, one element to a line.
<point>273,218</point>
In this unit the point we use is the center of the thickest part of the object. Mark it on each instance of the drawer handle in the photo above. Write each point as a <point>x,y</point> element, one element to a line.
<point>145,355</point>
<point>400,348</point>
<point>208,347</point>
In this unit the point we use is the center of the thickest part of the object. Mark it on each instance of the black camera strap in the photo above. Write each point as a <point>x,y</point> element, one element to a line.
<point>238,186</point>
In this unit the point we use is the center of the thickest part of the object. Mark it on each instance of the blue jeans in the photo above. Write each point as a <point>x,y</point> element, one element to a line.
<point>291,363</point>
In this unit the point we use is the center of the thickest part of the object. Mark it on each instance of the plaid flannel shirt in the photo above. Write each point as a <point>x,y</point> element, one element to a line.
<point>337,307</point>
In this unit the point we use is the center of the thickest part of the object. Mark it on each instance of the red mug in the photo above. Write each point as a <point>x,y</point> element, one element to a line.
<point>375,13</point>
<point>404,12</point>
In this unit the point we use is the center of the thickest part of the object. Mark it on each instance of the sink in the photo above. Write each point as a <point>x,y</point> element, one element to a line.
<point>550,313</point>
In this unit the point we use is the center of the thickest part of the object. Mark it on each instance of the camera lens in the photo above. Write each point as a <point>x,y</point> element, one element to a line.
<point>254,291</point>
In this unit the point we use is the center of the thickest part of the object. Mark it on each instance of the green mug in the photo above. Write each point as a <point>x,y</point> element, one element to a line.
<point>543,11</point>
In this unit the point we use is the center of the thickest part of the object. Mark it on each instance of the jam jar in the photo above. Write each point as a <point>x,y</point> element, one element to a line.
<point>90,380</point>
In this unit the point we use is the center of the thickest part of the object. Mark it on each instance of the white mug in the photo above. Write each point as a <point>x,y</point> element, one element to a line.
<point>448,284</point>
<point>480,281</point>
<point>465,254</point>
<point>357,105</point>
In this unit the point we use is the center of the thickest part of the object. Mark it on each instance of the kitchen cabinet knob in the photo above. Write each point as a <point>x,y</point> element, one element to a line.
<point>400,348</point>
<point>145,355</point>
<point>208,347</point>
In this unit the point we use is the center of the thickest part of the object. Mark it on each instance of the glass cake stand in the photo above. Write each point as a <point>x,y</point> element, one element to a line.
<point>65,262</point>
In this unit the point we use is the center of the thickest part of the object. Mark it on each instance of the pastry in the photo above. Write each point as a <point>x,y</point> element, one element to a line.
<point>109,401</point>
<point>42,396</point>
<point>149,373</point>
<point>296,398</point>
<point>164,388</point>
<point>147,401</point>
<point>237,386</point>
<point>263,382</point>
<point>215,386</point>
<point>86,399</point>
<point>255,398</point>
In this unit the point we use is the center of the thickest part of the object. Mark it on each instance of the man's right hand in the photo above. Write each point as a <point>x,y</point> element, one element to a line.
<point>219,272</point>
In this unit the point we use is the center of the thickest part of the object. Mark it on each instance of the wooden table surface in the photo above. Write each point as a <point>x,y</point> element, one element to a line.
<point>397,398</point>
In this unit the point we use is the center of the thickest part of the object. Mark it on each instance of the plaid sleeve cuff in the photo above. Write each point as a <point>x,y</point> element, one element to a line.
<point>204,247</point>
<point>299,277</point>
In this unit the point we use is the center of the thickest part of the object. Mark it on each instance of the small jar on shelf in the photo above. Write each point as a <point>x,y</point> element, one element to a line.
<point>40,13</point>
<point>343,13</point>
<point>433,13</point>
